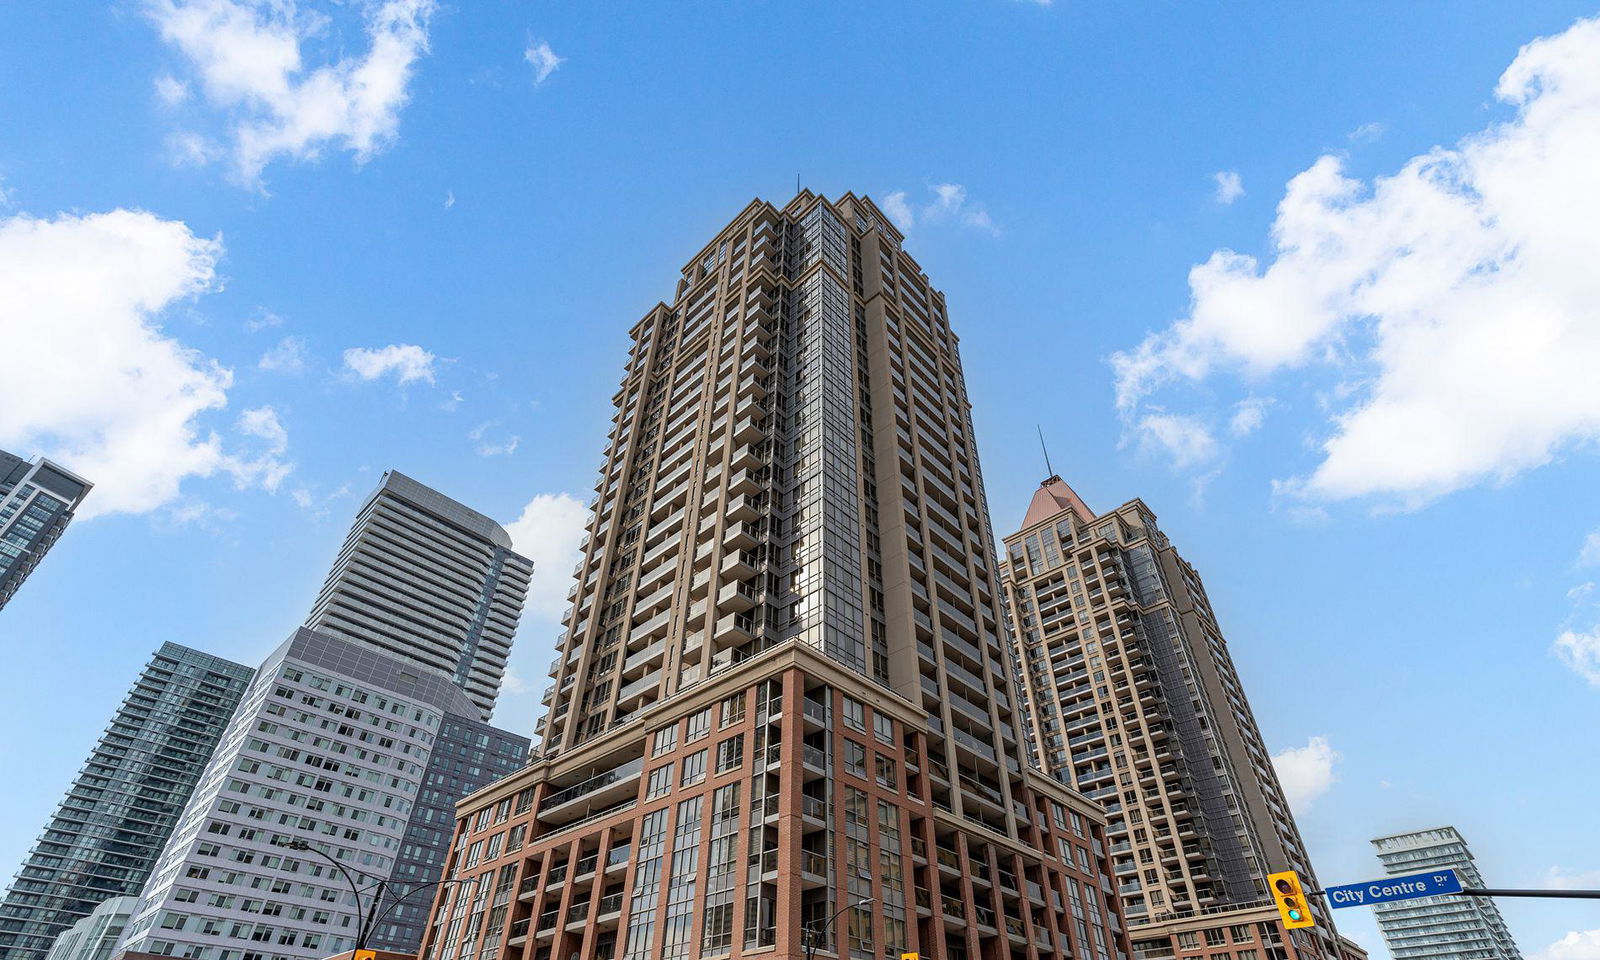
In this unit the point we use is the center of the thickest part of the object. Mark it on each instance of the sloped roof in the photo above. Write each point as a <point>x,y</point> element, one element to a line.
<point>1054,497</point>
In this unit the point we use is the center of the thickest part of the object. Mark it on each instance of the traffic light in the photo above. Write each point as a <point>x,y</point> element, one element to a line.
<point>1291,900</point>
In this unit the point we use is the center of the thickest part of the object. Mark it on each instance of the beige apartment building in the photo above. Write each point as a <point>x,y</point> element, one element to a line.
<point>782,709</point>
<point>1130,696</point>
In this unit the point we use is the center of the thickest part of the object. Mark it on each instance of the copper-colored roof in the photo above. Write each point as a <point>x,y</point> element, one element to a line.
<point>1054,497</point>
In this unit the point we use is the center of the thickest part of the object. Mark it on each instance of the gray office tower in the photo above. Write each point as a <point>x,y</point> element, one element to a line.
<point>107,833</point>
<point>359,735</point>
<point>36,501</point>
<point>1440,928</point>
<point>423,578</point>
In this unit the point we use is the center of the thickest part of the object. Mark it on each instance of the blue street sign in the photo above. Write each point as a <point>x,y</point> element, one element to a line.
<point>1430,884</point>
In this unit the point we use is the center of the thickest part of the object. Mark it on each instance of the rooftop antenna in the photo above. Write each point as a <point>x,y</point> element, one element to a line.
<point>1049,472</point>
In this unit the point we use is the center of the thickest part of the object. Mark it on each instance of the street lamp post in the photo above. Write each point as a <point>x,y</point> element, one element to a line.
<point>368,919</point>
<point>810,935</point>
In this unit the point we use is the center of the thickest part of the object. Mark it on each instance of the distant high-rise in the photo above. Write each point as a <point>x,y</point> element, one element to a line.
<point>96,935</point>
<point>333,744</point>
<point>358,736</point>
<point>1131,696</point>
<point>1440,928</point>
<point>426,579</point>
<point>783,692</point>
<point>36,502</point>
<point>121,809</point>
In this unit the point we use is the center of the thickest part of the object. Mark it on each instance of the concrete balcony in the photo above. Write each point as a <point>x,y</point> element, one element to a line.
<point>736,597</point>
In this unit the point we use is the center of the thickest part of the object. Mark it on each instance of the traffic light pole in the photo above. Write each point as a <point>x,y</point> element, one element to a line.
<point>1554,894</point>
<point>1496,892</point>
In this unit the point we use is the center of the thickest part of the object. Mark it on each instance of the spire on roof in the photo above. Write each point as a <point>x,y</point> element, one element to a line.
<point>1055,497</point>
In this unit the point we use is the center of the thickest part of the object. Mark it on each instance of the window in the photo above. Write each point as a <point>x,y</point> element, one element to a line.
<point>732,709</point>
<point>660,782</point>
<point>855,759</point>
<point>1216,938</point>
<point>882,728</point>
<point>730,753</point>
<point>694,768</point>
<point>1242,933</point>
<point>855,715</point>
<point>666,741</point>
<point>699,725</point>
<point>1189,940</point>
<point>887,775</point>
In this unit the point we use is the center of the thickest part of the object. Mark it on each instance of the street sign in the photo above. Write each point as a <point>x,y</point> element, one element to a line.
<point>1430,884</point>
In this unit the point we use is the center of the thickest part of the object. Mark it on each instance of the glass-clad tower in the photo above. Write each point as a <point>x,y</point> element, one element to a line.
<point>783,690</point>
<point>108,831</point>
<point>37,501</point>
<point>1440,928</point>
<point>425,578</point>
<point>1131,696</point>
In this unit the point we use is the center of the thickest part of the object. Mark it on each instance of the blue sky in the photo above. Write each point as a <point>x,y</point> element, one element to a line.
<point>1315,283</point>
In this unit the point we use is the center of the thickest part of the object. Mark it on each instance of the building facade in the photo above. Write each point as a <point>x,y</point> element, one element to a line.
<point>106,834</point>
<point>424,578</point>
<point>331,745</point>
<point>1436,928</point>
<point>467,755</point>
<point>783,692</point>
<point>96,935</point>
<point>37,501</point>
<point>1130,695</point>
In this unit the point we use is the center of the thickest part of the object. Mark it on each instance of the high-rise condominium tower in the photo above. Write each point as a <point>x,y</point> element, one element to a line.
<point>332,745</point>
<point>426,579</point>
<point>1131,696</point>
<point>783,692</point>
<point>108,831</point>
<point>356,738</point>
<point>36,501</point>
<point>1440,928</point>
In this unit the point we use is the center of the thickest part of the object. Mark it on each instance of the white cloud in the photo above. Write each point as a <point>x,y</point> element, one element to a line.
<point>264,319</point>
<point>511,682</point>
<point>948,204</point>
<point>1367,132</point>
<point>289,356</point>
<point>899,210</point>
<point>406,361</point>
<point>488,449</point>
<point>306,498</point>
<point>249,61</point>
<point>170,90</point>
<point>1306,773</point>
<point>105,390</point>
<point>266,469</point>
<point>1580,651</point>
<point>549,532</point>
<point>1576,945</point>
<point>1560,879</point>
<point>1229,186</point>
<point>543,60</point>
<point>455,401</point>
<point>263,422</point>
<point>1455,300</point>
<point>1186,440</point>
<point>449,199</point>
<point>1589,554</point>
<point>1248,415</point>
